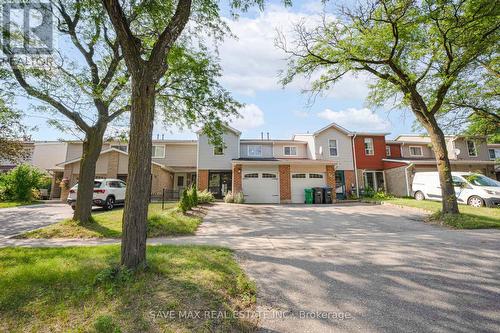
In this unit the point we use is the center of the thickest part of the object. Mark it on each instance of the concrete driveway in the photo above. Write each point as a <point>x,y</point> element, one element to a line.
<point>365,268</point>
<point>17,220</point>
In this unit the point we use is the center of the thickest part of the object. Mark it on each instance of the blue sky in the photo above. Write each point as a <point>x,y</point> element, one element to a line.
<point>251,64</point>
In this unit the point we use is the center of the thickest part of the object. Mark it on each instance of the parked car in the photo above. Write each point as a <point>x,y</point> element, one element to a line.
<point>107,193</point>
<point>471,188</point>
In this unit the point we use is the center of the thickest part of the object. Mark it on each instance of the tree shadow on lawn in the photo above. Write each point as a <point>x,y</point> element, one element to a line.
<point>43,288</point>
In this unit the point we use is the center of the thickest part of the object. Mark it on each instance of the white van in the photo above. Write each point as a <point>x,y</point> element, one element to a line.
<point>471,188</point>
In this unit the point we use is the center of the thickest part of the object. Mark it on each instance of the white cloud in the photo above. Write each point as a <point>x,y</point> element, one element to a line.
<point>252,62</point>
<point>251,117</point>
<point>356,119</point>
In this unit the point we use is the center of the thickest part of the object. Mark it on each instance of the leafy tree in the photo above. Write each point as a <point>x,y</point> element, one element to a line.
<point>416,51</point>
<point>11,133</point>
<point>84,81</point>
<point>165,56</point>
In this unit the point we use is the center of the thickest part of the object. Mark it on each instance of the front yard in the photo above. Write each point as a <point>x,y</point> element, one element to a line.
<point>81,290</point>
<point>168,222</point>
<point>10,204</point>
<point>470,217</point>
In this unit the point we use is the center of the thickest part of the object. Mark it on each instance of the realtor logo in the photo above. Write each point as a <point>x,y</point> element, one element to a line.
<point>27,28</point>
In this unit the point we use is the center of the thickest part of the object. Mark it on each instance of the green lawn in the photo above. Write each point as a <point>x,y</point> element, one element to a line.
<point>10,204</point>
<point>81,290</point>
<point>108,224</point>
<point>470,217</point>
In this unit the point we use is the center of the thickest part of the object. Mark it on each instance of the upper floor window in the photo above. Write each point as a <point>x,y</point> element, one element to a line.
<point>471,148</point>
<point>255,150</point>
<point>416,151</point>
<point>290,151</point>
<point>369,146</point>
<point>218,150</point>
<point>158,151</point>
<point>492,154</point>
<point>332,147</point>
<point>120,147</point>
<point>387,150</point>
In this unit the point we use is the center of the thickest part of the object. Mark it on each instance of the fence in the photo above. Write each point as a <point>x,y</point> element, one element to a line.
<point>164,196</point>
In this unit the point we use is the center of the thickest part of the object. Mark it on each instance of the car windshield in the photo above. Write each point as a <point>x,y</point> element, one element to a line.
<point>480,180</point>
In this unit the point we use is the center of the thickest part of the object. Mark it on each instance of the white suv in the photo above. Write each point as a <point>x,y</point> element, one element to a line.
<point>107,193</point>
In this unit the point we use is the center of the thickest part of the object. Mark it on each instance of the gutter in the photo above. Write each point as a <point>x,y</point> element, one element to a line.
<point>406,179</point>
<point>355,165</point>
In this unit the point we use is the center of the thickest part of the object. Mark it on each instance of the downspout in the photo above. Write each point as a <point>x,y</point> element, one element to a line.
<point>355,165</point>
<point>406,178</point>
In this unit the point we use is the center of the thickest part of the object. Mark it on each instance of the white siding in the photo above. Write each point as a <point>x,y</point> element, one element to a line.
<point>206,158</point>
<point>344,148</point>
<point>47,154</point>
<point>309,138</point>
<point>301,150</point>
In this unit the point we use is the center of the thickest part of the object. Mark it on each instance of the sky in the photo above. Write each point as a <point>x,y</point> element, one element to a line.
<point>251,64</point>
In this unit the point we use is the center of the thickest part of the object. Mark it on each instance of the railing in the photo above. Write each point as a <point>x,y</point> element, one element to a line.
<point>165,195</point>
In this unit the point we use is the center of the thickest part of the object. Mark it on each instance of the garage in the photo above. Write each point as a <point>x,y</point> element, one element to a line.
<point>302,180</point>
<point>261,185</point>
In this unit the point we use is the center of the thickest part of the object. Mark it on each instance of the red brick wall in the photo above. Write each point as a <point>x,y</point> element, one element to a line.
<point>237,178</point>
<point>364,161</point>
<point>330,176</point>
<point>395,150</point>
<point>202,180</point>
<point>285,184</point>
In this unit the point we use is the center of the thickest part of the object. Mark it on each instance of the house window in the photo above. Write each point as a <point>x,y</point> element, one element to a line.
<point>268,175</point>
<point>387,150</point>
<point>315,175</point>
<point>368,146</point>
<point>374,180</point>
<point>299,175</point>
<point>251,175</point>
<point>218,150</point>
<point>332,145</point>
<point>492,154</point>
<point>120,147</point>
<point>290,151</point>
<point>180,181</point>
<point>158,151</point>
<point>416,151</point>
<point>471,148</point>
<point>255,150</point>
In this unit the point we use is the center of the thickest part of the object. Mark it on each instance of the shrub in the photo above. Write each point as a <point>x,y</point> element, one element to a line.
<point>205,197</point>
<point>185,203</point>
<point>194,196</point>
<point>368,192</point>
<point>239,198</point>
<point>381,195</point>
<point>22,183</point>
<point>229,197</point>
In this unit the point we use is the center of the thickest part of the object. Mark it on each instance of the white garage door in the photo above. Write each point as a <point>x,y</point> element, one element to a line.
<point>261,186</point>
<point>301,181</point>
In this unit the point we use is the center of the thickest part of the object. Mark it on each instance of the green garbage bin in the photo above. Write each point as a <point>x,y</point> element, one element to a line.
<point>309,194</point>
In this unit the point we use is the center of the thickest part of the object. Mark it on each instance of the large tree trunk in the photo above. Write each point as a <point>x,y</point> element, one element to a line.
<point>91,151</point>
<point>449,199</point>
<point>133,252</point>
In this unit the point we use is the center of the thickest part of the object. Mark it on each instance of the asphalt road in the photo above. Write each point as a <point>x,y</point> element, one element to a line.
<point>17,220</point>
<point>363,268</point>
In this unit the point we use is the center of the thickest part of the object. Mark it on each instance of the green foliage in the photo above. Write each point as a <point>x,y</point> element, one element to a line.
<point>21,183</point>
<point>194,196</point>
<point>381,195</point>
<point>229,197</point>
<point>105,324</point>
<point>205,197</point>
<point>11,129</point>
<point>239,198</point>
<point>185,202</point>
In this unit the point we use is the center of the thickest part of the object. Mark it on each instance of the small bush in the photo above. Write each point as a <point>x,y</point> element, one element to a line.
<point>239,198</point>
<point>185,203</point>
<point>21,183</point>
<point>368,192</point>
<point>205,197</point>
<point>105,324</point>
<point>381,195</point>
<point>229,197</point>
<point>194,196</point>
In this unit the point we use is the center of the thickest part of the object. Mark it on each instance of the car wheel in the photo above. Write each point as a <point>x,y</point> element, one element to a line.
<point>419,196</point>
<point>475,201</point>
<point>110,203</point>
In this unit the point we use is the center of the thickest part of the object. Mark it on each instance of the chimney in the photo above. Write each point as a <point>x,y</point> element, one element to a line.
<point>262,135</point>
<point>268,135</point>
<point>157,136</point>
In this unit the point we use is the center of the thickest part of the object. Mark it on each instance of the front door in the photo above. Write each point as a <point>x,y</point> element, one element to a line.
<point>219,183</point>
<point>340,191</point>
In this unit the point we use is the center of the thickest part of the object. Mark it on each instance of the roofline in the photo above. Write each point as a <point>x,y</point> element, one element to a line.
<point>337,126</point>
<point>272,141</point>
<point>232,129</point>
<point>434,161</point>
<point>281,161</point>
<point>371,134</point>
